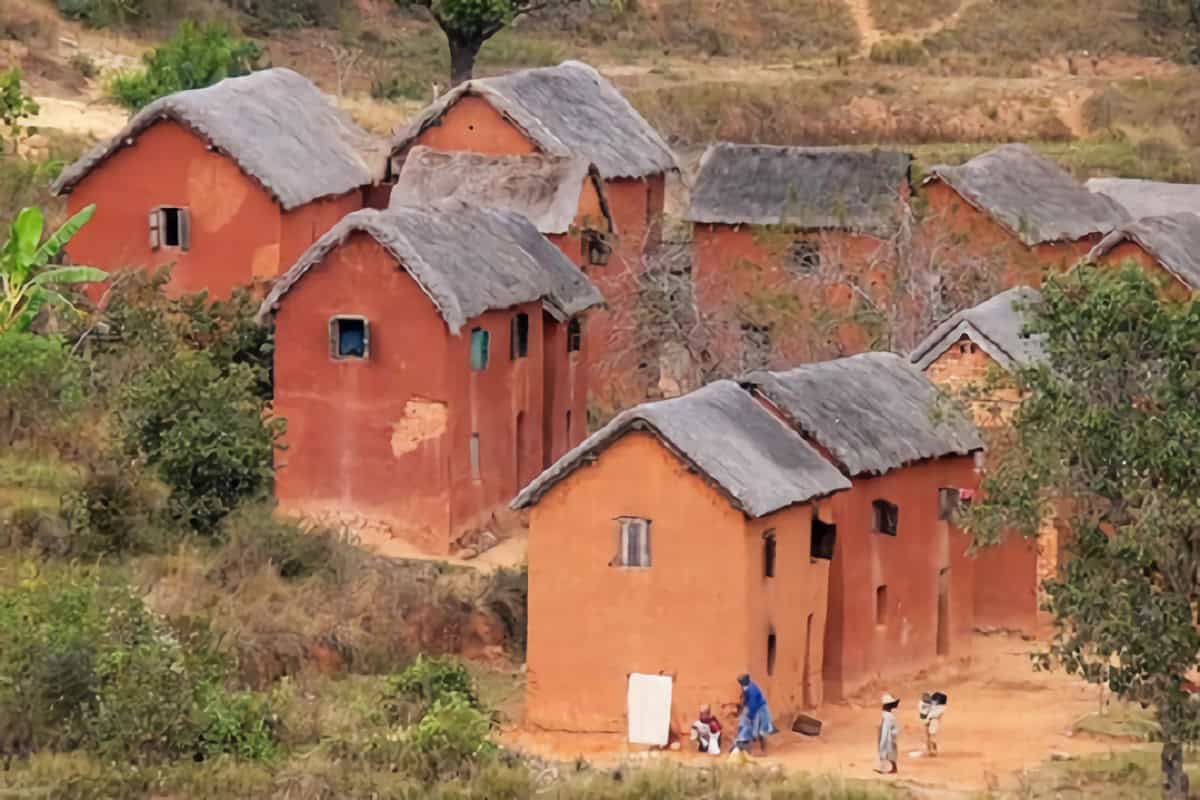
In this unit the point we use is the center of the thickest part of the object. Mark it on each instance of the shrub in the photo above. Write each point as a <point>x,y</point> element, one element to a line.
<point>255,536</point>
<point>206,433</point>
<point>237,723</point>
<point>904,52</point>
<point>289,13</point>
<point>41,385</point>
<point>15,106</point>
<point>195,57</point>
<point>427,680</point>
<point>114,511</point>
<point>85,65</point>
<point>451,740</point>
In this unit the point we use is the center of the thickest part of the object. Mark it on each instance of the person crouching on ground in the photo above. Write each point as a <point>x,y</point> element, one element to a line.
<point>889,733</point>
<point>754,721</point>
<point>707,732</point>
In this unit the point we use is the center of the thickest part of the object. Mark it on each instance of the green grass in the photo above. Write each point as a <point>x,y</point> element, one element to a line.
<point>1132,775</point>
<point>510,48</point>
<point>1121,721</point>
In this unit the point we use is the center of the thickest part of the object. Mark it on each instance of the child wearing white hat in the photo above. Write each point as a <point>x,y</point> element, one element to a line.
<point>889,732</point>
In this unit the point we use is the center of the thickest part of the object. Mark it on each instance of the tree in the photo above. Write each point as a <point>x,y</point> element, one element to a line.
<point>1108,438</point>
<point>469,23</point>
<point>15,106</point>
<point>28,280</point>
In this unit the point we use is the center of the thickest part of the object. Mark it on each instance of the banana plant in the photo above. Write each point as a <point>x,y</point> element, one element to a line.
<point>28,279</point>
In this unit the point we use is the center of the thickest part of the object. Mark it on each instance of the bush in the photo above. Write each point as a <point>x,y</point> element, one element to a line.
<point>41,386</point>
<point>289,13</point>
<point>85,65</point>
<point>195,57</point>
<point>450,741</point>
<point>904,52</point>
<point>205,432</point>
<point>255,536</point>
<point>15,106</point>
<point>114,511</point>
<point>237,723</point>
<point>425,682</point>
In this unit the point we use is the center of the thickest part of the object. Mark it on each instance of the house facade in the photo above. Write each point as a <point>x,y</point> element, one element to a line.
<point>972,355</point>
<point>902,586</point>
<point>567,111</point>
<point>770,223</point>
<point>684,538</point>
<point>410,366</point>
<point>1018,210</point>
<point>230,184</point>
<point>1166,247</point>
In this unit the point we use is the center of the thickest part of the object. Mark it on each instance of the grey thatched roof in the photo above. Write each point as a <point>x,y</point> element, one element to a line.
<point>467,259</point>
<point>1148,198</point>
<point>995,325</point>
<point>1173,241</point>
<point>1030,195</point>
<point>745,451</point>
<point>810,187</point>
<point>276,125</point>
<point>568,110</point>
<point>546,189</point>
<point>873,412</point>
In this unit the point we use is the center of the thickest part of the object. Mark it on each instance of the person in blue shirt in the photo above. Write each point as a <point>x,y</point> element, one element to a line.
<point>754,721</point>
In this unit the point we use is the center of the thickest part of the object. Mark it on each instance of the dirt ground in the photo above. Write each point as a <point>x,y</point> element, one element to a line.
<point>1002,719</point>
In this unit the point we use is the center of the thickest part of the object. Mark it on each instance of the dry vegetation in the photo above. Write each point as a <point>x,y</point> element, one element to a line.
<point>895,16</point>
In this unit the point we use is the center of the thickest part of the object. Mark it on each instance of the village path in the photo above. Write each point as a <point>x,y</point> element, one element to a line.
<point>1002,719</point>
<point>869,33</point>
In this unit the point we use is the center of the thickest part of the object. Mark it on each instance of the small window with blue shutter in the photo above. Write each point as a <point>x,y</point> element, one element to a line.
<point>349,338</point>
<point>479,349</point>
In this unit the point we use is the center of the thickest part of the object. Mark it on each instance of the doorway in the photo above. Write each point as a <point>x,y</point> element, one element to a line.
<point>943,611</point>
<point>806,680</point>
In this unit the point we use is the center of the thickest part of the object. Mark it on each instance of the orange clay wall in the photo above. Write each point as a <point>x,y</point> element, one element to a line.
<point>736,265</point>
<point>388,437</point>
<point>1174,288</point>
<point>959,224</point>
<point>238,232</point>
<point>965,370</point>
<point>471,124</point>
<point>792,604</point>
<point>859,651</point>
<point>564,423</point>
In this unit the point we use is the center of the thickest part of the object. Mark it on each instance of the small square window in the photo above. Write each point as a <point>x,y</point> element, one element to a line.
<point>349,338</point>
<point>519,330</point>
<point>479,349</point>
<point>634,542</point>
<point>887,517</point>
<point>804,257</point>
<point>170,227</point>
<point>596,248</point>
<point>881,605</point>
<point>824,538</point>
<point>574,336</point>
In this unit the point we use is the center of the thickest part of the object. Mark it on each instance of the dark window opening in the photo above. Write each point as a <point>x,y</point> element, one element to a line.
<point>348,337</point>
<point>633,546</point>
<point>170,227</point>
<point>574,336</point>
<point>804,257</point>
<point>967,348</point>
<point>887,517</point>
<point>824,537</point>
<point>771,653</point>
<point>756,345</point>
<point>519,344</point>
<point>769,554</point>
<point>881,605</point>
<point>948,503</point>
<point>479,349</point>
<point>596,248</point>
<point>476,472</point>
<point>568,429</point>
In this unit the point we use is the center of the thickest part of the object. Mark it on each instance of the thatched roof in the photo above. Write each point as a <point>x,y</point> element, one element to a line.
<point>739,447</point>
<point>568,110</point>
<point>1148,198</point>
<point>872,412</point>
<point>1173,241</point>
<point>276,125</point>
<point>1030,195</point>
<point>467,259</point>
<point>545,189</point>
<point>996,325</point>
<point>809,187</point>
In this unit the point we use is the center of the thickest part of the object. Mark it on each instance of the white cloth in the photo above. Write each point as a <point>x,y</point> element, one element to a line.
<point>649,709</point>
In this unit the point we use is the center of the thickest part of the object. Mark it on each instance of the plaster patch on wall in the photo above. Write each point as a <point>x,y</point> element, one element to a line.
<point>423,420</point>
<point>216,192</point>
<point>265,263</point>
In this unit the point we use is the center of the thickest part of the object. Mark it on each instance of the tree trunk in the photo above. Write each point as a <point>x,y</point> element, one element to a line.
<point>463,50</point>
<point>1175,780</point>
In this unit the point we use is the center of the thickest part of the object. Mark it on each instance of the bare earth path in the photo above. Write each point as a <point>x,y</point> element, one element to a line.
<point>868,32</point>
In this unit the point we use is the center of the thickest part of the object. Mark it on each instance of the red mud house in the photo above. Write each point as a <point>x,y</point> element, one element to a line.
<point>564,199</point>
<point>566,111</point>
<point>230,183</point>
<point>901,586</point>
<point>1019,209</point>
<point>1168,248</point>
<point>682,538</point>
<point>972,355</point>
<point>409,365</point>
<point>792,221</point>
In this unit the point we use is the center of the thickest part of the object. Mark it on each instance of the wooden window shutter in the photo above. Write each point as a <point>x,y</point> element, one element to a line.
<point>366,338</point>
<point>155,223</point>
<point>185,229</point>
<point>333,338</point>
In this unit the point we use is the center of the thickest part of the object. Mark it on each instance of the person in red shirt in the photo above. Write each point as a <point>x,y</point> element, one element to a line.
<point>706,731</point>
